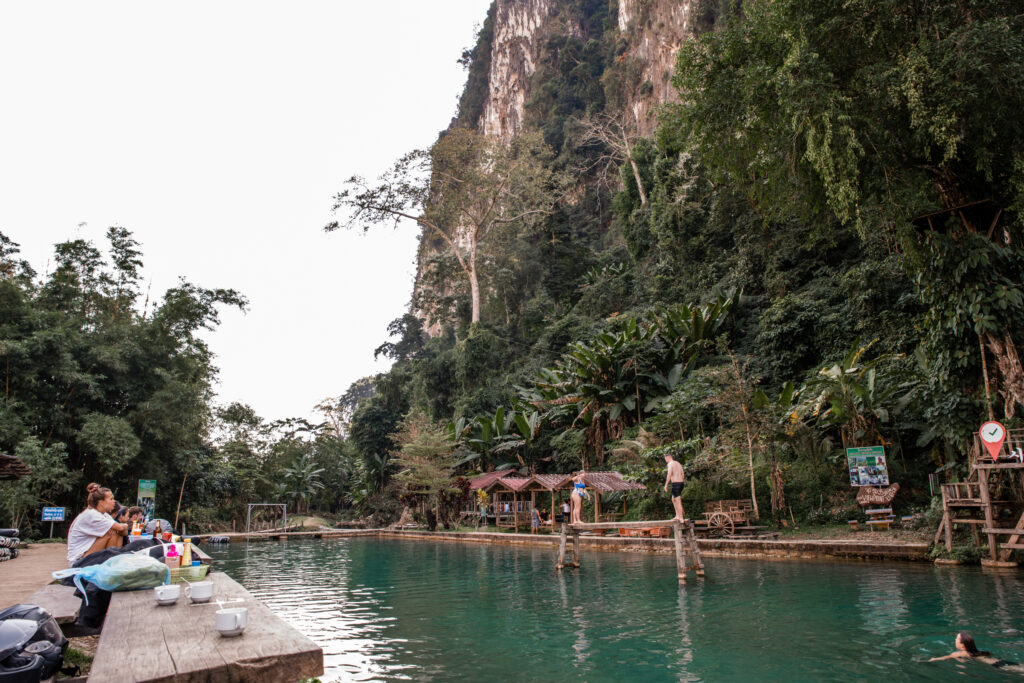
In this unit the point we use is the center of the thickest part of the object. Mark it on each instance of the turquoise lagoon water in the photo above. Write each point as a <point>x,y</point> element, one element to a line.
<point>415,610</point>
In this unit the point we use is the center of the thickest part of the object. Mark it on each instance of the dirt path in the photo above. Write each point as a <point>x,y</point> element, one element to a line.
<point>21,577</point>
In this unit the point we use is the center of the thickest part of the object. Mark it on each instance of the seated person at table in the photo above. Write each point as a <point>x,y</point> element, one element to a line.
<point>128,516</point>
<point>94,529</point>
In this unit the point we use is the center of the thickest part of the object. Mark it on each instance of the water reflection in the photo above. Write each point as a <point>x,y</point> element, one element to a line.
<point>396,610</point>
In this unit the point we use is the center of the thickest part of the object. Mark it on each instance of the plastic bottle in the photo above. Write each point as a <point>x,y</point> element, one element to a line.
<point>186,553</point>
<point>171,557</point>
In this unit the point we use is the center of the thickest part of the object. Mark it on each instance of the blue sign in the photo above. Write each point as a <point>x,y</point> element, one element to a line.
<point>53,514</point>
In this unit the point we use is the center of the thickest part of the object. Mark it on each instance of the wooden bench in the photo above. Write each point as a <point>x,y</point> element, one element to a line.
<point>882,524</point>
<point>60,601</point>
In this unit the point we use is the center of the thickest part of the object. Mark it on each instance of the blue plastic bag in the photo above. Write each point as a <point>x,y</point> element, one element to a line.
<point>120,573</point>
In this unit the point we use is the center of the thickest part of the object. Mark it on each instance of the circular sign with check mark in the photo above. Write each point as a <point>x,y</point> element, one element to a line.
<point>992,435</point>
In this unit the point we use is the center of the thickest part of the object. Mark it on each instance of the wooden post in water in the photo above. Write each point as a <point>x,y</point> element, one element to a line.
<point>576,548</point>
<point>677,534</point>
<point>561,549</point>
<point>698,563</point>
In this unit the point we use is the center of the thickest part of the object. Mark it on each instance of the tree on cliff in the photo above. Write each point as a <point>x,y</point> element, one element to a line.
<point>461,192</point>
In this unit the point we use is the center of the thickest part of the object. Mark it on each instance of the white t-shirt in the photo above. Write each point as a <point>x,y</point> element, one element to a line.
<point>86,528</point>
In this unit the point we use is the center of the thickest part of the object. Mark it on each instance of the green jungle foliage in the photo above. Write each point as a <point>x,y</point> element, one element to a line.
<point>812,141</point>
<point>819,247</point>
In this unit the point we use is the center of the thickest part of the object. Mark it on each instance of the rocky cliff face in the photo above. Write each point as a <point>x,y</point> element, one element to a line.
<point>639,41</point>
<point>519,30</point>
<point>653,30</point>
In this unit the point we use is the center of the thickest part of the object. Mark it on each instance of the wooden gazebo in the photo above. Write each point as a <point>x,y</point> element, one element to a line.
<point>511,508</point>
<point>514,496</point>
<point>607,482</point>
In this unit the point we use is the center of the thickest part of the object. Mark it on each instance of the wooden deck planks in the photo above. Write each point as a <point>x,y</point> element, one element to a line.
<point>142,641</point>
<point>59,601</point>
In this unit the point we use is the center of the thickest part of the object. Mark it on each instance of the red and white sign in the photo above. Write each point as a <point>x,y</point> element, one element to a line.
<point>993,435</point>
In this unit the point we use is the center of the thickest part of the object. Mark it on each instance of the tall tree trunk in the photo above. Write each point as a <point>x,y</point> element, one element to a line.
<point>984,376</point>
<point>636,170</point>
<point>474,290</point>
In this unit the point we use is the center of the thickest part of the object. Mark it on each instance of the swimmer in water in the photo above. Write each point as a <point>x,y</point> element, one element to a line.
<point>967,649</point>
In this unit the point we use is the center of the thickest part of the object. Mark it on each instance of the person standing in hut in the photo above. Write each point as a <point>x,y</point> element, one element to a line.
<point>579,490</point>
<point>675,477</point>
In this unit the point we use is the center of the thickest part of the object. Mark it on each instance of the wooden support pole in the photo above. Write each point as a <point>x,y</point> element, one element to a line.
<point>947,521</point>
<point>576,548</point>
<point>597,507</point>
<point>942,527</point>
<point>677,534</point>
<point>698,563</point>
<point>561,549</point>
<point>986,502</point>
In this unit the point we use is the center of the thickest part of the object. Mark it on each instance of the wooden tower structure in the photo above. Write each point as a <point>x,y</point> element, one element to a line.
<point>989,501</point>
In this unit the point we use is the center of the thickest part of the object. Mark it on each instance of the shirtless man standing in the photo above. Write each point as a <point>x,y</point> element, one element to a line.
<point>675,477</point>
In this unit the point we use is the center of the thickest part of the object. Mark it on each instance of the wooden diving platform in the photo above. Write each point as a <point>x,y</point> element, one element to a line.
<point>685,540</point>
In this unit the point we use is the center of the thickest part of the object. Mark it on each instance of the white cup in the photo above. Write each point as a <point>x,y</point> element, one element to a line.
<point>201,591</point>
<point>167,595</point>
<point>232,621</point>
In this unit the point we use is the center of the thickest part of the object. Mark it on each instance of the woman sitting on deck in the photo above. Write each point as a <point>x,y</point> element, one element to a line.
<point>94,529</point>
<point>579,489</point>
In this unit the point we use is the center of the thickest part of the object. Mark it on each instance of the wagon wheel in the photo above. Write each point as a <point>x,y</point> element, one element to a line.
<point>720,524</point>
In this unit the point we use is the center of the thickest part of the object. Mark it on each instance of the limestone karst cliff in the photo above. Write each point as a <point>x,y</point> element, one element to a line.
<point>644,37</point>
<point>542,64</point>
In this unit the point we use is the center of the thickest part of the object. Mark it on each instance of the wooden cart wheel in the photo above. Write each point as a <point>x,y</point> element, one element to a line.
<point>720,524</point>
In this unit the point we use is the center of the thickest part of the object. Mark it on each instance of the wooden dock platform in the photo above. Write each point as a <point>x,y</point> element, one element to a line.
<point>143,641</point>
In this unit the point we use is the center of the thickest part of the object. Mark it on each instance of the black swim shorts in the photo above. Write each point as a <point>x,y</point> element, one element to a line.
<point>677,489</point>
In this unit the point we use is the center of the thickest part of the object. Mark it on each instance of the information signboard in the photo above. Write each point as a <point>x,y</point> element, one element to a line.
<point>867,466</point>
<point>147,497</point>
<point>53,514</point>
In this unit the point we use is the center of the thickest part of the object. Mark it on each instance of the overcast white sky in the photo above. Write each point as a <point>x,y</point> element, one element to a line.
<point>218,133</point>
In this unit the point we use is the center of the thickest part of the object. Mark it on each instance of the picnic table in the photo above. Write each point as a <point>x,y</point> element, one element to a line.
<point>880,518</point>
<point>142,641</point>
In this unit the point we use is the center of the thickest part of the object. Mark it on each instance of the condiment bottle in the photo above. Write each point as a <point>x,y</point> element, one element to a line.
<point>186,553</point>
<point>172,558</point>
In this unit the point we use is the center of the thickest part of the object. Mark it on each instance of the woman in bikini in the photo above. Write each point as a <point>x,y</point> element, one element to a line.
<point>579,490</point>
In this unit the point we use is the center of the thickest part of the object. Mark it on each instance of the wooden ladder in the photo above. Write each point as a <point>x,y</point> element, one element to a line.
<point>686,539</point>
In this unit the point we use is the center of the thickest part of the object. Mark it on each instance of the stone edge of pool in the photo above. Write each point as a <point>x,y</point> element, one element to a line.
<point>741,547</point>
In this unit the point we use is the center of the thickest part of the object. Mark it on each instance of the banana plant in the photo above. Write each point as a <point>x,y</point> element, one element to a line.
<point>483,435</point>
<point>851,396</point>
<point>625,372</point>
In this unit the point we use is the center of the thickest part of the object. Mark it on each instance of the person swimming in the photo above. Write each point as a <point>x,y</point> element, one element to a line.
<point>966,648</point>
